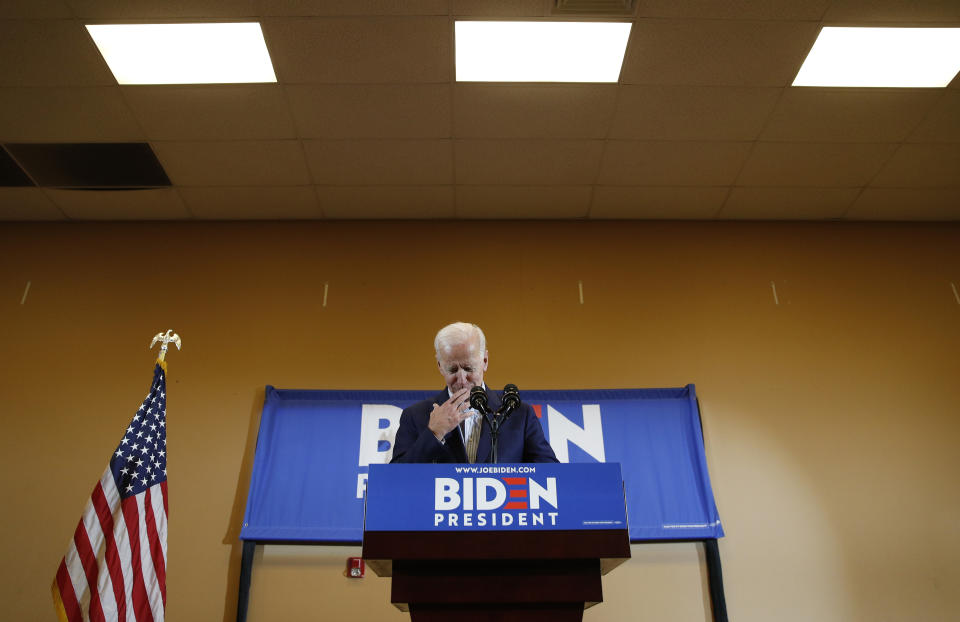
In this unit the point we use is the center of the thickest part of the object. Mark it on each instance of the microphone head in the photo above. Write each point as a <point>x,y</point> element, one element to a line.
<point>478,399</point>
<point>511,397</point>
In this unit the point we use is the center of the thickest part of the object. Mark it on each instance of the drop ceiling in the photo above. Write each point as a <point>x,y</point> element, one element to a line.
<point>366,121</point>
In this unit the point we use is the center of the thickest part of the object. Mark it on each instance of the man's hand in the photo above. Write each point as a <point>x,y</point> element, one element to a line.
<point>448,415</point>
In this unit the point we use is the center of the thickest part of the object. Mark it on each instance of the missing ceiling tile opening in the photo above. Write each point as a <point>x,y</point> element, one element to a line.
<point>11,175</point>
<point>90,165</point>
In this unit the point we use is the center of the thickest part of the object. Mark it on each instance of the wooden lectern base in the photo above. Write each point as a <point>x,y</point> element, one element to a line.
<point>489,613</point>
<point>506,589</point>
<point>477,576</point>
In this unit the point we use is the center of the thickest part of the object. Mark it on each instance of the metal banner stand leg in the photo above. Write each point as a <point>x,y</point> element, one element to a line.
<point>246,570</point>
<point>715,579</point>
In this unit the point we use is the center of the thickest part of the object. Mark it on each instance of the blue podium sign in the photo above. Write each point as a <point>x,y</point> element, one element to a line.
<point>488,497</point>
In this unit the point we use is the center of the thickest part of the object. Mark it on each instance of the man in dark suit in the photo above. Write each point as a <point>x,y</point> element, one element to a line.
<point>446,429</point>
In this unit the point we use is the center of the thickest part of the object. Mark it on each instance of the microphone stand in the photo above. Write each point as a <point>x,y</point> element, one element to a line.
<point>494,426</point>
<point>494,423</point>
<point>499,418</point>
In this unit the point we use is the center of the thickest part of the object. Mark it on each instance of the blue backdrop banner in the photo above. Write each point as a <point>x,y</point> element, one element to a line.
<point>315,448</point>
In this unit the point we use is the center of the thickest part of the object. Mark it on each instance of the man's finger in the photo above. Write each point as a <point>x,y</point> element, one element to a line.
<point>460,393</point>
<point>465,395</point>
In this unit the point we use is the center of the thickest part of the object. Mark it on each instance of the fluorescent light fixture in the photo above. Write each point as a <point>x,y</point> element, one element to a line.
<point>540,51</point>
<point>891,57</point>
<point>210,53</point>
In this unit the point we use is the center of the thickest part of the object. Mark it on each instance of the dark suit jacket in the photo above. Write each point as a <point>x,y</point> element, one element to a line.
<point>521,437</point>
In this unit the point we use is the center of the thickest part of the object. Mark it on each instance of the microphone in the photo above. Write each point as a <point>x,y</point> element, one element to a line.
<point>478,399</point>
<point>511,400</point>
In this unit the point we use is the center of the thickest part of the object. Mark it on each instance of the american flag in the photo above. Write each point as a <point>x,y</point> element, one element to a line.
<point>115,568</point>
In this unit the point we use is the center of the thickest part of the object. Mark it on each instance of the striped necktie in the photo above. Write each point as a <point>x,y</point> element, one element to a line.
<point>474,440</point>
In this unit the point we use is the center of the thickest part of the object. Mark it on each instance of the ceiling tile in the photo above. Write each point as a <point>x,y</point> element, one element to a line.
<point>148,9</point>
<point>788,203</point>
<point>519,202</point>
<point>922,165</point>
<point>380,162</point>
<point>27,204</point>
<point>692,112</point>
<point>50,53</point>
<point>734,9</point>
<point>352,7</point>
<point>656,202</point>
<point>892,11</point>
<point>387,202</point>
<point>349,50</point>
<point>907,204</point>
<point>234,163</point>
<point>155,204</point>
<point>814,164</point>
<point>653,163</point>
<point>527,162</point>
<point>257,203</point>
<point>848,115</point>
<point>533,110</point>
<point>501,8</point>
<point>208,112</point>
<point>92,114</point>
<point>27,9</point>
<point>371,110</point>
<point>717,52</point>
<point>942,124</point>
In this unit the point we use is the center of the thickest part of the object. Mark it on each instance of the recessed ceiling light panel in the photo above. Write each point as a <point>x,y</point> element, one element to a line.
<point>210,53</point>
<point>882,57</point>
<point>540,51</point>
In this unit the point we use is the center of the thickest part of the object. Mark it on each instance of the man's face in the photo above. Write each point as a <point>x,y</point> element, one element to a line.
<point>463,365</point>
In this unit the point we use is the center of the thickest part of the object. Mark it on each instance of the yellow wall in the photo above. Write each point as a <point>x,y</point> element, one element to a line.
<point>831,420</point>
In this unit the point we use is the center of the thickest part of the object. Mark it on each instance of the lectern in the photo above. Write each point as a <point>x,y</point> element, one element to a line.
<point>490,542</point>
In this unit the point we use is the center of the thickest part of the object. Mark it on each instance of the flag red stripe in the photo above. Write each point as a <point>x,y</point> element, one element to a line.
<point>515,481</point>
<point>518,493</point>
<point>141,604</point>
<point>67,596</point>
<point>89,562</point>
<point>156,551</point>
<point>516,505</point>
<point>163,489</point>
<point>113,558</point>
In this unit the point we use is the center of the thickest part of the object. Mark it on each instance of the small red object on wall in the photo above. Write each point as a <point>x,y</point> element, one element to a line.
<point>355,568</point>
